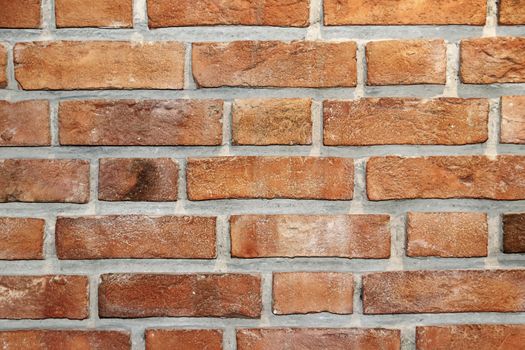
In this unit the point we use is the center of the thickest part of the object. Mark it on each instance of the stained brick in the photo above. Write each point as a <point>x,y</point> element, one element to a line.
<point>514,233</point>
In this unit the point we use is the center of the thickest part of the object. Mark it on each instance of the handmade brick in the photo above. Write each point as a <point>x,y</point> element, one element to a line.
<point>44,339</point>
<point>21,238</point>
<point>20,14</point>
<point>513,119</point>
<point>24,123</point>
<point>511,12</point>
<point>514,233</point>
<point>94,13</point>
<point>177,339</point>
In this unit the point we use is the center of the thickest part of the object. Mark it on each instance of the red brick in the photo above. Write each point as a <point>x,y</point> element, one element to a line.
<point>141,123</point>
<point>307,292</point>
<point>411,121</point>
<point>447,235</point>
<point>513,119</point>
<point>94,13</point>
<point>350,236</point>
<point>444,291</point>
<point>138,179</point>
<point>176,13</point>
<point>44,180</point>
<point>43,339</point>
<point>3,66</point>
<point>493,60</point>
<point>66,65</point>
<point>514,233</point>
<point>406,62</point>
<point>39,297</point>
<point>270,177</point>
<point>471,337</point>
<point>318,338</point>
<point>272,122</point>
<point>404,12</point>
<point>512,12</point>
<point>135,236</point>
<point>275,64</point>
<point>21,238</point>
<point>192,295</point>
<point>177,339</point>
<point>20,14</point>
<point>24,123</point>
<point>481,177</point>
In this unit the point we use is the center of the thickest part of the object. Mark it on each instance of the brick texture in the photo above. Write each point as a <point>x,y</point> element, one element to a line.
<point>198,339</point>
<point>42,339</point>
<point>20,14</point>
<point>3,66</point>
<point>513,119</point>
<point>21,238</point>
<point>511,12</point>
<point>94,13</point>
<point>514,233</point>
<point>24,123</point>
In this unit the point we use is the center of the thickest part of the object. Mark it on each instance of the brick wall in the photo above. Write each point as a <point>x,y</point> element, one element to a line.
<point>260,175</point>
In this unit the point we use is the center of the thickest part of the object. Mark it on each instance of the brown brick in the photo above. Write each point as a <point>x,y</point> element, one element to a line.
<point>66,65</point>
<point>94,13</point>
<point>141,123</point>
<point>21,238</point>
<point>183,339</point>
<point>44,180</point>
<point>447,235</point>
<point>20,14</point>
<point>191,295</point>
<point>444,291</point>
<point>406,62</point>
<point>272,122</point>
<point>43,339</point>
<point>135,236</point>
<point>514,233</point>
<point>275,64</point>
<point>138,179</point>
<point>307,292</point>
<point>24,123</point>
<point>471,337</point>
<point>404,12</point>
<point>169,13</point>
<point>270,177</point>
<point>493,60</point>
<point>349,236</point>
<point>513,119</point>
<point>39,297</point>
<point>318,338</point>
<point>3,66</point>
<point>499,178</point>
<point>512,12</point>
<point>411,121</point>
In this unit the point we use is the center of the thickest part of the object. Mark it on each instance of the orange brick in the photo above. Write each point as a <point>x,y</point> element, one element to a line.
<point>94,13</point>
<point>41,339</point>
<point>3,66</point>
<point>513,119</point>
<point>21,238</point>
<point>20,14</point>
<point>24,123</point>
<point>512,12</point>
<point>177,339</point>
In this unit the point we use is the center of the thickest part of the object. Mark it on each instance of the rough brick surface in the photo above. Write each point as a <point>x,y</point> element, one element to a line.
<point>176,339</point>
<point>514,233</point>
<point>21,238</point>
<point>275,64</point>
<point>442,121</point>
<point>350,236</point>
<point>198,295</point>
<point>43,339</point>
<point>66,65</point>
<point>444,291</point>
<point>3,66</point>
<point>20,14</point>
<point>513,119</point>
<point>135,236</point>
<point>44,180</point>
<point>141,123</point>
<point>94,13</point>
<point>511,12</point>
<point>175,13</point>
<point>39,297</point>
<point>307,292</point>
<point>272,122</point>
<point>24,123</point>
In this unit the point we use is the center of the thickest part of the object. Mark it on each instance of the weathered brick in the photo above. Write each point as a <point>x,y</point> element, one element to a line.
<point>39,297</point>
<point>318,338</point>
<point>307,292</point>
<point>135,236</point>
<point>272,122</point>
<point>183,339</point>
<point>138,179</point>
<point>24,123</point>
<point>402,292</point>
<point>71,65</point>
<point>512,12</point>
<point>21,238</point>
<point>514,233</point>
<point>44,339</point>
<point>412,121</point>
<point>406,62</point>
<point>94,13</point>
<point>275,64</point>
<point>493,60</point>
<point>44,180</point>
<point>141,123</point>
<point>20,14</point>
<point>3,66</point>
<point>198,295</point>
<point>471,337</point>
<point>404,12</point>
<point>447,235</point>
<point>513,119</point>
<point>176,13</point>
<point>270,177</point>
<point>499,178</point>
<point>350,236</point>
